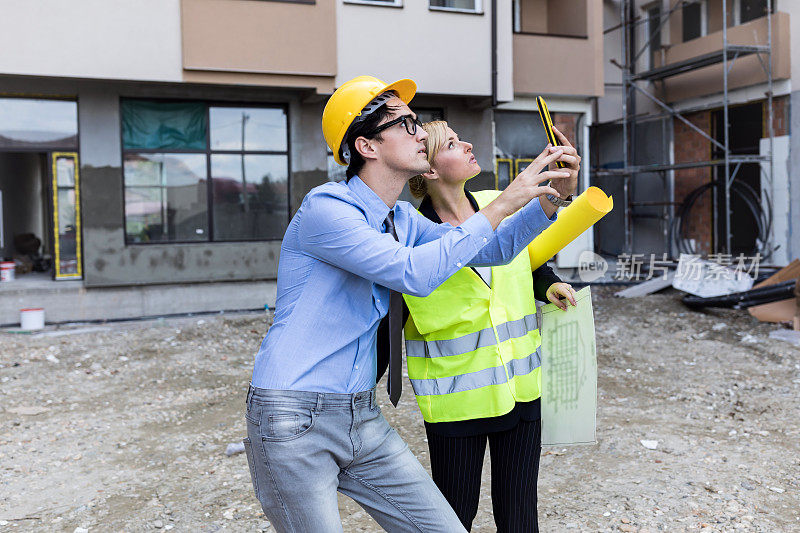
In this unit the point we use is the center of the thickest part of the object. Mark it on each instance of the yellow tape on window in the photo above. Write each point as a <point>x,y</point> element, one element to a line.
<point>589,207</point>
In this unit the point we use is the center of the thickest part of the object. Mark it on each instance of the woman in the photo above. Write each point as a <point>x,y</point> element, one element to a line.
<point>472,348</point>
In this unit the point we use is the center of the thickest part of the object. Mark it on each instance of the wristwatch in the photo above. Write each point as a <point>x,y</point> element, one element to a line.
<point>559,202</point>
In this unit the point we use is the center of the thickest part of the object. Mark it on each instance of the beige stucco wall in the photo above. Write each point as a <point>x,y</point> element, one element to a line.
<point>262,43</point>
<point>533,16</point>
<point>744,72</point>
<point>444,52</point>
<point>561,65</point>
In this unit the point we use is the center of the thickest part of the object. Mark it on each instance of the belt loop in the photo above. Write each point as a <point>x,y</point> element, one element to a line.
<point>249,394</point>
<point>373,398</point>
<point>320,397</point>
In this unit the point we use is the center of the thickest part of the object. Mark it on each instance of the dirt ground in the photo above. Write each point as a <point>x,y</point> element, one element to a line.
<point>123,427</point>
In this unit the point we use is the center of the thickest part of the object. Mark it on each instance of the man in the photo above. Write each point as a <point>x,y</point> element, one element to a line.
<point>313,424</point>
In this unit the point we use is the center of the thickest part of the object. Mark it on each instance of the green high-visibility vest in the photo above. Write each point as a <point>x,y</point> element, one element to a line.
<point>473,351</point>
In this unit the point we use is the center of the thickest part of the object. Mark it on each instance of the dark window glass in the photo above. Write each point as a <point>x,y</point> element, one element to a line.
<point>165,197</point>
<point>33,123</point>
<point>148,125</point>
<point>692,21</point>
<point>248,129</point>
<point>251,196</point>
<point>753,9</point>
<point>455,4</point>
<point>519,134</point>
<point>427,114</point>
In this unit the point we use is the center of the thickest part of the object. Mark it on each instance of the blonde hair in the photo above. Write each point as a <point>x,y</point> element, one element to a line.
<point>437,136</point>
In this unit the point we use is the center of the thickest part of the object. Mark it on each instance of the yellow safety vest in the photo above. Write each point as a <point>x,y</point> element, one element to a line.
<point>473,351</point>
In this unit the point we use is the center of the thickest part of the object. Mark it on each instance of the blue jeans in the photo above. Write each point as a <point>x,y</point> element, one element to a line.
<point>304,446</point>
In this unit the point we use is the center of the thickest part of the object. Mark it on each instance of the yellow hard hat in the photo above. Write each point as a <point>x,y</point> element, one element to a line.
<point>350,99</point>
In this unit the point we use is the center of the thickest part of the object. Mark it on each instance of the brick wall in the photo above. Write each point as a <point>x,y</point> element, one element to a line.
<point>566,122</point>
<point>691,146</point>
<point>780,116</point>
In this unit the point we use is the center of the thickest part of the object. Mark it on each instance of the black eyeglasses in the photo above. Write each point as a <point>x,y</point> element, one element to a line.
<point>409,121</point>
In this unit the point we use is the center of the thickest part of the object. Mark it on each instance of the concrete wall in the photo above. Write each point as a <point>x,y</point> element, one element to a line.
<point>92,39</point>
<point>107,259</point>
<point>444,52</point>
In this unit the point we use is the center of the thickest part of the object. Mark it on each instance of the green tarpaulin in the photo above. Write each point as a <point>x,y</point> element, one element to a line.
<point>163,125</point>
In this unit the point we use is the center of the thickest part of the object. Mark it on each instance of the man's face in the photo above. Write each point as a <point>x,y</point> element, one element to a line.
<point>398,150</point>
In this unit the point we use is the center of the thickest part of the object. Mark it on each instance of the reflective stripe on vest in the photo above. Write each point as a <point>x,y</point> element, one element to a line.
<point>462,340</point>
<point>472,341</point>
<point>475,380</point>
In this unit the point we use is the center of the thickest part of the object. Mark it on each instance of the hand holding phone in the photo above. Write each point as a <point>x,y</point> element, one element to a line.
<point>547,122</point>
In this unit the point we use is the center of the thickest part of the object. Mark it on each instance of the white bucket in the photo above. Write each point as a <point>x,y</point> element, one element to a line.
<point>31,319</point>
<point>7,271</point>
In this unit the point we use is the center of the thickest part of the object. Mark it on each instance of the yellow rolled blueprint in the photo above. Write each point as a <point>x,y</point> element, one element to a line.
<point>589,207</point>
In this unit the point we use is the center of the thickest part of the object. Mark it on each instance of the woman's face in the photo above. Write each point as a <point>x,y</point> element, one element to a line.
<point>454,162</point>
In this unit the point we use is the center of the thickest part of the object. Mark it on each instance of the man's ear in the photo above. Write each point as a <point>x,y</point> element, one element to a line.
<point>364,147</point>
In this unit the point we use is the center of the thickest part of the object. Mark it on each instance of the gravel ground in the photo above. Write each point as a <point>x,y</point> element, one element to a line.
<point>123,427</point>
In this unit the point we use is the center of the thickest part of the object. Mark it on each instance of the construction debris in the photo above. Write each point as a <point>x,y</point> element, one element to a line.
<point>234,448</point>
<point>706,279</point>
<point>782,310</point>
<point>647,287</point>
<point>743,300</point>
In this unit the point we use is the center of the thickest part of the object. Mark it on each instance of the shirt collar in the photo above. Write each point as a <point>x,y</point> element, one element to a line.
<point>427,210</point>
<point>376,209</point>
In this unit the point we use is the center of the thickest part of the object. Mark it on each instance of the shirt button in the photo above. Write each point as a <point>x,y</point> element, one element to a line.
<point>458,264</point>
<point>485,240</point>
<point>356,367</point>
<point>378,300</point>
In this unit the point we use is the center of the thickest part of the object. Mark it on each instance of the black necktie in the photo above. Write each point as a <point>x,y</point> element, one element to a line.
<point>394,323</point>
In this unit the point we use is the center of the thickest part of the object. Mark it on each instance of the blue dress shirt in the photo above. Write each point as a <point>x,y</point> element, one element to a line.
<point>335,271</point>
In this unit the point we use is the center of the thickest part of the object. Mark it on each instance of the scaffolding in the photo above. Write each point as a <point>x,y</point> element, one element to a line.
<point>631,88</point>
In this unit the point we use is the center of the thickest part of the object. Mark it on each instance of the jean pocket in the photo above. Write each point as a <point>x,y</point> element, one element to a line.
<point>253,413</point>
<point>287,423</point>
<point>248,451</point>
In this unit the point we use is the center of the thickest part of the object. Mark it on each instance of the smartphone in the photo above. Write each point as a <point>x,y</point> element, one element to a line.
<point>547,122</point>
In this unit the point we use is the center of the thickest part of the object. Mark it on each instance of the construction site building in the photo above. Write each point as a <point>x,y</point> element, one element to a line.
<point>158,148</point>
<point>693,133</point>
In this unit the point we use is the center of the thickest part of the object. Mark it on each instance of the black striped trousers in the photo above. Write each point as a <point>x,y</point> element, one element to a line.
<point>456,464</point>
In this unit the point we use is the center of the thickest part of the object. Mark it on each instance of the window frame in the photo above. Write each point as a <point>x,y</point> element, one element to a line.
<point>208,153</point>
<point>650,10</point>
<point>54,147</point>
<point>376,3</point>
<point>737,12</point>
<point>703,18</point>
<point>477,11</point>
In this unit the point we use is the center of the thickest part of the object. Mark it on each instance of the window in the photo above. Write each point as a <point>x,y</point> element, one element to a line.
<point>753,9</point>
<point>34,123</point>
<point>694,19</point>
<point>428,114</point>
<point>198,172</point>
<point>389,3</point>
<point>165,197</point>
<point>653,35</point>
<point>465,6</point>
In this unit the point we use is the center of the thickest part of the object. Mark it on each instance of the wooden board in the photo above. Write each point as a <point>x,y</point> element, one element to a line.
<point>784,310</point>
